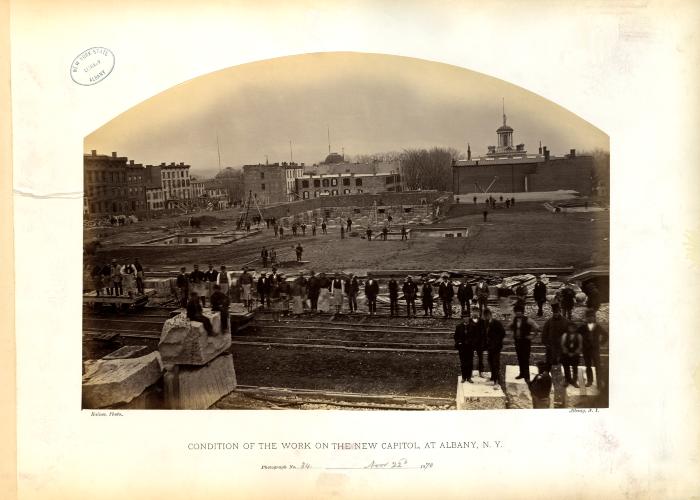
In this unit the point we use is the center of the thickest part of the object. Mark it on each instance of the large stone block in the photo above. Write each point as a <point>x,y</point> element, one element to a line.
<point>185,342</point>
<point>583,397</point>
<point>481,395</point>
<point>127,351</point>
<point>197,388</point>
<point>517,390</point>
<point>162,286</point>
<point>115,381</point>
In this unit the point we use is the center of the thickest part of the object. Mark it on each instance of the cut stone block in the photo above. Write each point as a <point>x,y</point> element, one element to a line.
<point>114,381</point>
<point>185,342</point>
<point>126,352</point>
<point>199,388</point>
<point>162,286</point>
<point>481,395</point>
<point>517,390</point>
<point>583,397</point>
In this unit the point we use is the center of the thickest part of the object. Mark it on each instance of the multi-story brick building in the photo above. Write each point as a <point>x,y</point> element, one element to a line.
<point>173,179</point>
<point>155,198</point>
<point>272,183</point>
<point>314,186</point>
<point>111,187</point>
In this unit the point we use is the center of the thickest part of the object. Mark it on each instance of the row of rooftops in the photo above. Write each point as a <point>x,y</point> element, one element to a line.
<point>130,163</point>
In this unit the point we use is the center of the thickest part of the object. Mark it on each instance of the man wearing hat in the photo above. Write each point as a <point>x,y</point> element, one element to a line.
<point>352,287</point>
<point>115,273</point>
<point>183,287</point>
<point>427,297</point>
<point>393,288</point>
<point>246,282</point>
<point>464,295</point>
<point>410,290</point>
<point>468,337</point>
<point>446,292</point>
<point>264,288</point>
<point>371,292</point>
<point>593,336</point>
<point>552,332</point>
<point>539,293</point>
<point>523,329</point>
<point>494,333</point>
<point>482,295</point>
<point>314,288</point>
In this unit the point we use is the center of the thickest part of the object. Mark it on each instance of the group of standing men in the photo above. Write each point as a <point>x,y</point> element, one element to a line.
<point>564,342</point>
<point>117,280</point>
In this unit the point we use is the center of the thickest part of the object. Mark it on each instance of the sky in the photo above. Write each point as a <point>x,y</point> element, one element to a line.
<point>371,103</point>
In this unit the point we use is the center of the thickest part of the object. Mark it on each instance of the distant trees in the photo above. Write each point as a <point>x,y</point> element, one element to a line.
<point>232,180</point>
<point>420,168</point>
<point>601,171</point>
<point>428,169</point>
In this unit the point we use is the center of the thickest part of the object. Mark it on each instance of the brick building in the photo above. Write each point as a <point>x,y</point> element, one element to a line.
<point>314,186</point>
<point>112,186</point>
<point>272,183</point>
<point>508,169</point>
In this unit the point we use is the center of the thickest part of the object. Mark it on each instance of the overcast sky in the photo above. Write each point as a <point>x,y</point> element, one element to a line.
<point>372,103</point>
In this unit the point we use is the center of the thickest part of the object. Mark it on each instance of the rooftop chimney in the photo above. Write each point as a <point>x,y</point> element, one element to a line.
<point>114,154</point>
<point>94,152</point>
<point>131,162</point>
<point>572,153</point>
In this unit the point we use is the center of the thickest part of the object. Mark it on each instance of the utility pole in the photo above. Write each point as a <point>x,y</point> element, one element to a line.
<point>218,151</point>
<point>291,155</point>
<point>329,140</point>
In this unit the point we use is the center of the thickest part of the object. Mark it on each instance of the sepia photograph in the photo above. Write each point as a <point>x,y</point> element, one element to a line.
<point>346,231</point>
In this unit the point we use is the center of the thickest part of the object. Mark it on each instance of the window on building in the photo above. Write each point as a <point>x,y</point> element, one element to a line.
<point>316,194</point>
<point>334,192</point>
<point>334,182</point>
<point>262,187</point>
<point>317,183</point>
<point>325,183</point>
<point>262,175</point>
<point>305,195</point>
<point>407,210</point>
<point>305,184</point>
<point>381,210</point>
<point>358,182</point>
<point>346,182</point>
<point>346,191</point>
<point>389,180</point>
<point>359,191</point>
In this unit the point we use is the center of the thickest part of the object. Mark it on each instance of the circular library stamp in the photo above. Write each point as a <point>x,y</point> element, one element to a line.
<point>92,66</point>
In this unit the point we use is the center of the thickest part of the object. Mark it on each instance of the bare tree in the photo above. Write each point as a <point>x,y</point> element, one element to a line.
<point>428,169</point>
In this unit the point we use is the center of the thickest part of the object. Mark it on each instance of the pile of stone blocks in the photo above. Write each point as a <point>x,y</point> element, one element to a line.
<point>199,368</point>
<point>481,395</point>
<point>117,380</point>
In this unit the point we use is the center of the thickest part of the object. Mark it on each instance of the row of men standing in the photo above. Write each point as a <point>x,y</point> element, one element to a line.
<point>564,342</point>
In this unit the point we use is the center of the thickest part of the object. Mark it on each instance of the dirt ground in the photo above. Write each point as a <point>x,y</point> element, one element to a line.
<point>526,235</point>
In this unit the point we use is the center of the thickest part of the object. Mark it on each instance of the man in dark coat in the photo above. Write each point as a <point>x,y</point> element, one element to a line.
<point>194,313</point>
<point>299,251</point>
<point>410,290</point>
<point>197,284</point>
<point>139,276</point>
<point>465,295</point>
<point>220,302</point>
<point>264,286</point>
<point>539,293</point>
<point>393,287</point>
<point>446,292</point>
<point>567,297</point>
<point>352,287</point>
<point>182,283</point>
<point>571,346</point>
<point>314,290</point>
<point>371,292</point>
<point>349,224</point>
<point>494,334</point>
<point>593,336</point>
<point>427,297</point>
<point>593,301</point>
<point>468,338</point>
<point>404,233</point>
<point>482,295</point>
<point>523,329</point>
<point>552,332</point>
<point>264,255</point>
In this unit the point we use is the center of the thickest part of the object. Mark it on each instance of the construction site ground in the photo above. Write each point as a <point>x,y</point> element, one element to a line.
<point>526,235</point>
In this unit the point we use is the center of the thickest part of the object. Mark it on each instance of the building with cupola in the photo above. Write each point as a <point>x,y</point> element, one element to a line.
<point>510,169</point>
